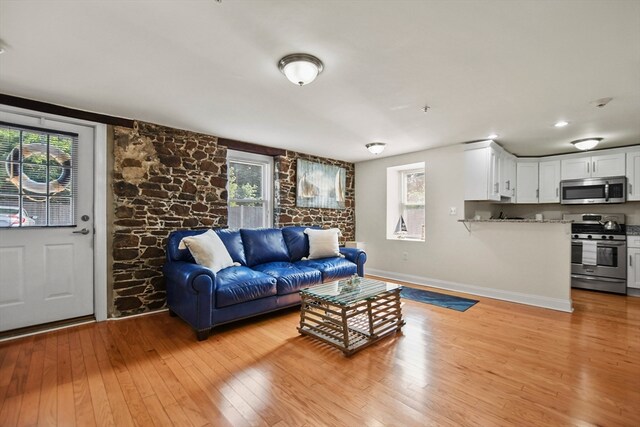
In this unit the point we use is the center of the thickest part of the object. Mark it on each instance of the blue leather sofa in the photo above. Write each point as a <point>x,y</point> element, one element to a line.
<point>269,277</point>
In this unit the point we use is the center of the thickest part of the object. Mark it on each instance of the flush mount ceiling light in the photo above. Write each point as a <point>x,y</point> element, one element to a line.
<point>492,136</point>
<point>376,147</point>
<point>561,124</point>
<point>300,68</point>
<point>586,144</point>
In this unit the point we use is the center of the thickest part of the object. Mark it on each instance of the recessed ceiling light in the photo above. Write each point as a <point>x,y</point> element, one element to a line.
<point>492,136</point>
<point>561,124</point>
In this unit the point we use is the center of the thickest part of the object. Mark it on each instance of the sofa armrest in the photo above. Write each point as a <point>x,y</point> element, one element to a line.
<point>184,274</point>
<point>190,292</point>
<point>357,256</point>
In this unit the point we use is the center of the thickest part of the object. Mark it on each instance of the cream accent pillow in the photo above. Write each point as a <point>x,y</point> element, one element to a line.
<point>323,243</point>
<point>208,250</point>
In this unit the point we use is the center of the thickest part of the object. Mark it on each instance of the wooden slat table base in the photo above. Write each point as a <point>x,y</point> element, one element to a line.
<point>352,327</point>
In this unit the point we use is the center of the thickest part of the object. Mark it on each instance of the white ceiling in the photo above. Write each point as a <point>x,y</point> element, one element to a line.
<point>509,67</point>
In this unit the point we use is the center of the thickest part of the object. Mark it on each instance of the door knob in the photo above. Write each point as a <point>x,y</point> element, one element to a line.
<point>83,231</point>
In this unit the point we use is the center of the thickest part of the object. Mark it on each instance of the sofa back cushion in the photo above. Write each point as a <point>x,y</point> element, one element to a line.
<point>297,242</point>
<point>233,241</point>
<point>174,253</point>
<point>264,245</point>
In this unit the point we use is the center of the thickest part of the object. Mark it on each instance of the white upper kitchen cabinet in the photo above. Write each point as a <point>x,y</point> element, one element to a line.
<point>508,176</point>
<point>527,182</point>
<point>633,176</point>
<point>598,166</point>
<point>482,171</point>
<point>549,181</point>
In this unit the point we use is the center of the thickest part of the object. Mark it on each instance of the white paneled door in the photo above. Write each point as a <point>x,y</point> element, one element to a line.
<point>46,221</point>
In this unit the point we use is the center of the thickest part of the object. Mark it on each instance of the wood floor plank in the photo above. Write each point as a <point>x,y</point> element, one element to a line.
<point>66,413</point>
<point>497,364</point>
<point>31,397</point>
<point>48,410</point>
<point>83,403</point>
<point>136,406</point>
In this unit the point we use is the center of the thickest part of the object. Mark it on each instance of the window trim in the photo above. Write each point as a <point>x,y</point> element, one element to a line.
<point>267,164</point>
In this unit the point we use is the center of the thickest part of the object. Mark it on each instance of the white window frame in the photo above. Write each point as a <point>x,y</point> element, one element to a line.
<point>267,180</point>
<point>403,200</point>
<point>396,199</point>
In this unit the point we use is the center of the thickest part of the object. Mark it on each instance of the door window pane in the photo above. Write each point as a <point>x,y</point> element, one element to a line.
<point>37,176</point>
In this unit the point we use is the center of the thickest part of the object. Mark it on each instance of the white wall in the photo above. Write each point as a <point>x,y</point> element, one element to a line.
<point>528,263</point>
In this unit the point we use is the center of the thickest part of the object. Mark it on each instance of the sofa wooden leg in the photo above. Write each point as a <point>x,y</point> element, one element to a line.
<point>203,334</point>
<point>172,313</point>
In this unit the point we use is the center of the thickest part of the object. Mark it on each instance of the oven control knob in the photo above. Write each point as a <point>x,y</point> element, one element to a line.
<point>610,237</point>
<point>575,236</point>
<point>605,237</point>
<point>589,236</point>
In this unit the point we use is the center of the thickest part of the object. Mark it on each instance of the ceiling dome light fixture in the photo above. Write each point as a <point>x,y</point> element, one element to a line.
<point>561,124</point>
<point>376,147</point>
<point>300,68</point>
<point>492,136</point>
<point>587,143</point>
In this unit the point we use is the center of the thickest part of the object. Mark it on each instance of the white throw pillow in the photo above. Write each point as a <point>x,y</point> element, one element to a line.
<point>208,250</point>
<point>323,243</point>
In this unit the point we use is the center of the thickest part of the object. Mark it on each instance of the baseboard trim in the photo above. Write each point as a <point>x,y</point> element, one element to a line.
<point>633,292</point>
<point>500,294</point>
<point>131,316</point>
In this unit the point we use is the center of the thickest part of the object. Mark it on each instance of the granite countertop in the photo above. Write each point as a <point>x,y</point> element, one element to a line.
<point>528,220</point>
<point>633,230</point>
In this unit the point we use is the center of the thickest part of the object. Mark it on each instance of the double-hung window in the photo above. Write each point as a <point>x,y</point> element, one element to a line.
<point>412,203</point>
<point>406,202</point>
<point>250,190</point>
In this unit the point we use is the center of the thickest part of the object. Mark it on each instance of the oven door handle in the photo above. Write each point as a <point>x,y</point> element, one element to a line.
<point>601,243</point>
<point>599,279</point>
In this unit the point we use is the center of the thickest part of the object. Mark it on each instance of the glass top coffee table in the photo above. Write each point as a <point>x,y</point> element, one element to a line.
<point>351,314</point>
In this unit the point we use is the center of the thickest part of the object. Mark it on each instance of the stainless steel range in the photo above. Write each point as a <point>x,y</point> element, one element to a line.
<point>598,252</point>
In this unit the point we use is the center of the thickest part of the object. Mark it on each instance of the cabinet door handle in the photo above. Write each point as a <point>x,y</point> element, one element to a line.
<point>630,260</point>
<point>630,188</point>
<point>508,185</point>
<point>537,193</point>
<point>588,166</point>
<point>557,192</point>
<point>594,167</point>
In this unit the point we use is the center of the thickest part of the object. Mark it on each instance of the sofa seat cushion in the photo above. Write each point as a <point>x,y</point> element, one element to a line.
<point>235,285</point>
<point>331,268</point>
<point>289,277</point>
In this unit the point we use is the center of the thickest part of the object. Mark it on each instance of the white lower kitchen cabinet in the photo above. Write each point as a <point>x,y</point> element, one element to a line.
<point>633,265</point>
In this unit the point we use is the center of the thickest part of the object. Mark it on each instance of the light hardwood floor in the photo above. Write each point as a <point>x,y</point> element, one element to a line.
<point>496,364</point>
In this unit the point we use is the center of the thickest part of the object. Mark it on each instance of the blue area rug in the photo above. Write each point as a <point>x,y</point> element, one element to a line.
<point>441,300</point>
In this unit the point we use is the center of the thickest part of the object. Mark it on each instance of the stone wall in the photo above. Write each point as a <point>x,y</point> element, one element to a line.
<point>286,212</point>
<point>163,179</point>
<point>166,179</point>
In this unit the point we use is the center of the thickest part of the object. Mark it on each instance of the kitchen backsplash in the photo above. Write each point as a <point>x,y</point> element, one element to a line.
<point>555,211</point>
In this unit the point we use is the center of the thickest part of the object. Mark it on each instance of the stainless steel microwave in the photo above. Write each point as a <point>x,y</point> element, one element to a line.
<point>593,190</point>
